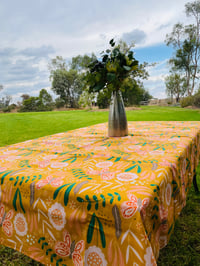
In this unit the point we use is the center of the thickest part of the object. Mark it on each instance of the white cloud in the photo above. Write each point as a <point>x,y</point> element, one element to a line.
<point>33,31</point>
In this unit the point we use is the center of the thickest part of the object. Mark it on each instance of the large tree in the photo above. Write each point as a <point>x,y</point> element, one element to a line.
<point>185,39</point>
<point>67,78</point>
<point>67,84</point>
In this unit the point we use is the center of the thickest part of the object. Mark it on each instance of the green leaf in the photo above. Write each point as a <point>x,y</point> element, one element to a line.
<point>53,256</point>
<point>127,68</point>
<point>41,239</point>
<point>5,174</point>
<point>117,194</point>
<point>111,77</point>
<point>104,200</point>
<point>103,239</point>
<point>97,204</point>
<point>112,198</point>
<point>91,228</point>
<point>89,202</point>
<point>44,244</point>
<point>57,191</point>
<point>66,196</point>
<point>80,199</point>
<point>48,250</point>
<point>98,87</point>
<point>58,261</point>
<point>112,43</point>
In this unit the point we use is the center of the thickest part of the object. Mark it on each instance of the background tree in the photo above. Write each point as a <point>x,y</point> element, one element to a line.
<point>25,97</point>
<point>186,42</point>
<point>86,99</point>
<point>67,79</point>
<point>43,102</point>
<point>175,86</point>
<point>68,85</point>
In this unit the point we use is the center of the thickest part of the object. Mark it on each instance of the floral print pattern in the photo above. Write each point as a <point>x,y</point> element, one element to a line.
<point>81,198</point>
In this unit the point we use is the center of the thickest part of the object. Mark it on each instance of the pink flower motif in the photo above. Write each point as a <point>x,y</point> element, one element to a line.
<point>55,182</point>
<point>163,213</point>
<point>148,175</point>
<point>173,166</point>
<point>43,164</point>
<point>107,176</point>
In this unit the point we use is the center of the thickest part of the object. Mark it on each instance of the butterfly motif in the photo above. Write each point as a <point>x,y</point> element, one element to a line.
<point>71,249</point>
<point>55,182</point>
<point>5,220</point>
<point>129,208</point>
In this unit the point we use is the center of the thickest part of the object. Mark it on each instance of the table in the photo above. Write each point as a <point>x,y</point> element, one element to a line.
<point>81,198</point>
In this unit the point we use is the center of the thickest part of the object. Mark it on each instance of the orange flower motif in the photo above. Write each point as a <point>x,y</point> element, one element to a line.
<point>129,208</point>
<point>5,220</point>
<point>71,249</point>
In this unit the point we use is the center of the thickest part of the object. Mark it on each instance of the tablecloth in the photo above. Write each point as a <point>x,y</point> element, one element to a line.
<point>81,198</point>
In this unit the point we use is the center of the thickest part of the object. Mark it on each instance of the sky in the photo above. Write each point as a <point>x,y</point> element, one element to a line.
<point>34,32</point>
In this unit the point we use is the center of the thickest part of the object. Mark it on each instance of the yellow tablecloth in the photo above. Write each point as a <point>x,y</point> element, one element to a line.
<point>81,198</point>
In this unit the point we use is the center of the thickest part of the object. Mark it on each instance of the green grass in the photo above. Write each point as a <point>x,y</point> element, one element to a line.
<point>17,127</point>
<point>184,245</point>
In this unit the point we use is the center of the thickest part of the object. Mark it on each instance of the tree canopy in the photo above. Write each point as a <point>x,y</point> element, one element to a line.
<point>185,39</point>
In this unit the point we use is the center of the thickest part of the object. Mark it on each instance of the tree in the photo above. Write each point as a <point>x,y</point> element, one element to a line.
<point>55,64</point>
<point>67,84</point>
<point>81,63</point>
<point>86,99</point>
<point>133,92</point>
<point>1,87</point>
<point>67,79</point>
<point>5,101</point>
<point>175,86</point>
<point>186,42</point>
<point>25,97</point>
<point>45,100</point>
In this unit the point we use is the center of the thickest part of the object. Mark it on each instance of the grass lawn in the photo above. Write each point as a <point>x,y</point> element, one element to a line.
<point>184,245</point>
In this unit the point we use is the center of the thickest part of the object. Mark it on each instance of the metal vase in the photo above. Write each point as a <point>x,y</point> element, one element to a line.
<point>117,124</point>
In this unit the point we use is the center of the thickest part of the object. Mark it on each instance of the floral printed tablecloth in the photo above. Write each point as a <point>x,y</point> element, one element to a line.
<point>81,198</point>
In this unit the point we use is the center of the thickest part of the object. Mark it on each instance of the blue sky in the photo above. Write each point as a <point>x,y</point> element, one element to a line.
<point>33,32</point>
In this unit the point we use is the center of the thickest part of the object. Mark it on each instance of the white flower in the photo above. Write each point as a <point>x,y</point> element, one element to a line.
<point>20,224</point>
<point>57,216</point>
<point>127,176</point>
<point>104,164</point>
<point>94,257</point>
<point>168,194</point>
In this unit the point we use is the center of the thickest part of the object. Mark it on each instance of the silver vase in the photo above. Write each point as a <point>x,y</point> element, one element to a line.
<point>117,124</point>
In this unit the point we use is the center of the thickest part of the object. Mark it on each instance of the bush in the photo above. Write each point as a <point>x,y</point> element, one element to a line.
<point>187,101</point>
<point>197,100</point>
<point>7,109</point>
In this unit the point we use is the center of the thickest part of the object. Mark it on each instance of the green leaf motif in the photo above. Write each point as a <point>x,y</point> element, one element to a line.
<point>58,190</point>
<point>20,200</point>
<point>103,239</point>
<point>66,196</point>
<point>91,228</point>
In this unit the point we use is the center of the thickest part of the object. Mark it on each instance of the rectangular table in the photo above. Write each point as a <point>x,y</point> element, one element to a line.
<point>81,198</point>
